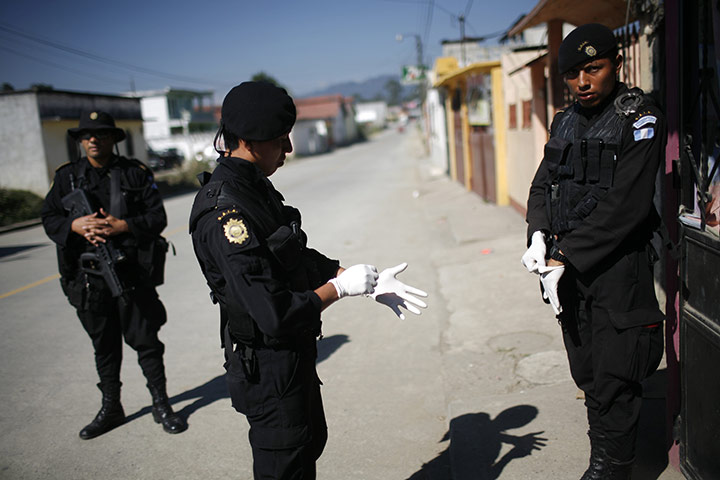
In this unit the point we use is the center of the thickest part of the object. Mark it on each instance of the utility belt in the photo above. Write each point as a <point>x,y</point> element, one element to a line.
<point>580,176</point>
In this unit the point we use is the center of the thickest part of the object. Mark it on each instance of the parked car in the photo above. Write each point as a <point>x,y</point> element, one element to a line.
<point>164,160</point>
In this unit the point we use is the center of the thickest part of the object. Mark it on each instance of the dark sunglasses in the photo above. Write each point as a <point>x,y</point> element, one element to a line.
<point>101,135</point>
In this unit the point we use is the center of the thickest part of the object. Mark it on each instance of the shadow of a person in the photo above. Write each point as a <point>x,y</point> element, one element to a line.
<point>476,442</point>
<point>328,345</point>
<point>216,389</point>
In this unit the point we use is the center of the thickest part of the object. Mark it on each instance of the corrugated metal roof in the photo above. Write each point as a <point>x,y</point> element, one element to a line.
<point>610,13</point>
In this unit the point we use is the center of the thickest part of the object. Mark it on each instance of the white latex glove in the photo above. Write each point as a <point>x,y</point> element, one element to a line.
<point>534,257</point>
<point>356,280</point>
<point>550,277</point>
<point>395,294</point>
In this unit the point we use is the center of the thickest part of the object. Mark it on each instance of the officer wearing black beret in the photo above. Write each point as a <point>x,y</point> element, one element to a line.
<point>118,300</point>
<point>590,218</point>
<point>270,286</point>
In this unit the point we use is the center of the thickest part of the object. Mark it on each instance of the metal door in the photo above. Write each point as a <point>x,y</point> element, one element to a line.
<point>459,146</point>
<point>482,153</point>
<point>700,244</point>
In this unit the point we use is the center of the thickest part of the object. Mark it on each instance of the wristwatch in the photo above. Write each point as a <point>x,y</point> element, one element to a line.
<point>556,254</point>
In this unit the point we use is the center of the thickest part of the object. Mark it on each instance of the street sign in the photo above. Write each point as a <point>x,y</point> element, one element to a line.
<point>412,74</point>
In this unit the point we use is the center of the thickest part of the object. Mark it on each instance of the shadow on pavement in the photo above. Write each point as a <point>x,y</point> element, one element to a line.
<point>329,345</point>
<point>475,444</point>
<point>216,389</point>
<point>5,251</point>
<point>205,394</point>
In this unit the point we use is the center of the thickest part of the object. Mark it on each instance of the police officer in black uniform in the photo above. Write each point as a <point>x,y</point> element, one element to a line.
<point>271,287</point>
<point>127,218</point>
<point>590,220</point>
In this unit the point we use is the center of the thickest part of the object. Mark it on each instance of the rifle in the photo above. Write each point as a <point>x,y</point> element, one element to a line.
<point>102,261</point>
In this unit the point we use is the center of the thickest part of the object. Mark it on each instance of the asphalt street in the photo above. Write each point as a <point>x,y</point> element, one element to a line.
<point>477,387</point>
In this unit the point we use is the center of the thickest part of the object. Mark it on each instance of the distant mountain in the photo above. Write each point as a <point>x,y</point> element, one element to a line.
<point>367,90</point>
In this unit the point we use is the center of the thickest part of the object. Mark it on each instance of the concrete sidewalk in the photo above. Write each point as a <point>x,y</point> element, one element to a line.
<point>513,409</point>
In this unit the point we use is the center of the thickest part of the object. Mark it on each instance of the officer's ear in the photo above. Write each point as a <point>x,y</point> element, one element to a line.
<point>245,145</point>
<point>618,65</point>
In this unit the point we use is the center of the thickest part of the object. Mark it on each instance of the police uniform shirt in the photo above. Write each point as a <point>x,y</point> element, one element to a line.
<point>146,216</point>
<point>240,269</point>
<point>626,213</point>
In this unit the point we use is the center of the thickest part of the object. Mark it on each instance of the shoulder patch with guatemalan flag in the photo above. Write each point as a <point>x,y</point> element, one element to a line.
<point>644,121</point>
<point>644,126</point>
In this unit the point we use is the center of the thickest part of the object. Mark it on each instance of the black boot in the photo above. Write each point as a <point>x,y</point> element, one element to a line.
<point>618,470</point>
<point>111,413</point>
<point>163,413</point>
<point>597,470</point>
<point>602,466</point>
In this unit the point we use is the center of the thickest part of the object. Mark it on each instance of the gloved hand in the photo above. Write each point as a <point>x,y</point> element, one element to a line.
<point>395,294</point>
<point>534,257</point>
<point>550,277</point>
<point>356,280</point>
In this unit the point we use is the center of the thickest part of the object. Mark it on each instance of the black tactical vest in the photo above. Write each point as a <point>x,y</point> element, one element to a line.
<point>582,168</point>
<point>276,226</point>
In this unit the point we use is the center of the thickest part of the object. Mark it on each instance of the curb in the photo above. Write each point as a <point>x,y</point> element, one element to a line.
<point>20,225</point>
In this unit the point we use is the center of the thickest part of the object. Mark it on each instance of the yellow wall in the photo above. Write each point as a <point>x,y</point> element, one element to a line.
<point>467,154</point>
<point>450,119</point>
<point>500,129</point>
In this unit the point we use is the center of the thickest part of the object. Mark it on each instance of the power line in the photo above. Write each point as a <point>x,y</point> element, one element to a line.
<point>428,21</point>
<point>62,60</point>
<point>92,56</point>
<point>468,7</point>
<point>61,67</point>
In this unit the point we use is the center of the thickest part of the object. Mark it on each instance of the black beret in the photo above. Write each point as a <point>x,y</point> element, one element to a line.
<point>95,121</point>
<point>585,43</point>
<point>258,111</point>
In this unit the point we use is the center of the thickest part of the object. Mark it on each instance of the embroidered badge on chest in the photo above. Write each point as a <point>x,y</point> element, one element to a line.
<point>236,231</point>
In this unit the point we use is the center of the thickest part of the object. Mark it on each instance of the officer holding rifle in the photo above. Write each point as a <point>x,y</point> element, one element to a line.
<point>105,214</point>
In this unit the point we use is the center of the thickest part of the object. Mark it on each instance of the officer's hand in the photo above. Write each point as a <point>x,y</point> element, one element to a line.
<point>356,280</point>
<point>112,225</point>
<point>395,294</point>
<point>535,255</point>
<point>550,277</point>
<point>87,227</point>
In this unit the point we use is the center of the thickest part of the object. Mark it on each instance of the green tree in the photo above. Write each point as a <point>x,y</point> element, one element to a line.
<point>265,77</point>
<point>7,87</point>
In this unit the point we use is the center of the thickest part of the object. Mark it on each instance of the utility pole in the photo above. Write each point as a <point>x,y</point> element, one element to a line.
<point>420,64</point>
<point>461,20</point>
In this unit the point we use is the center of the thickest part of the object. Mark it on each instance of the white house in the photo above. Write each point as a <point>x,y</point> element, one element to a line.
<point>180,119</point>
<point>323,123</point>
<point>371,113</point>
<point>435,128</point>
<point>33,133</point>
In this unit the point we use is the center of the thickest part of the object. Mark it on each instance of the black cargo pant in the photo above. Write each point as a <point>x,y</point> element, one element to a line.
<point>282,402</point>
<point>137,318</point>
<point>609,362</point>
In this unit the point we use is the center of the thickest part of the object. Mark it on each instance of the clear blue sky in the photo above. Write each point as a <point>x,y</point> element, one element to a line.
<point>216,44</point>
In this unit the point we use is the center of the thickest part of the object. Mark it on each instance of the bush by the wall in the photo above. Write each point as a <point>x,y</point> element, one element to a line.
<point>18,206</point>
